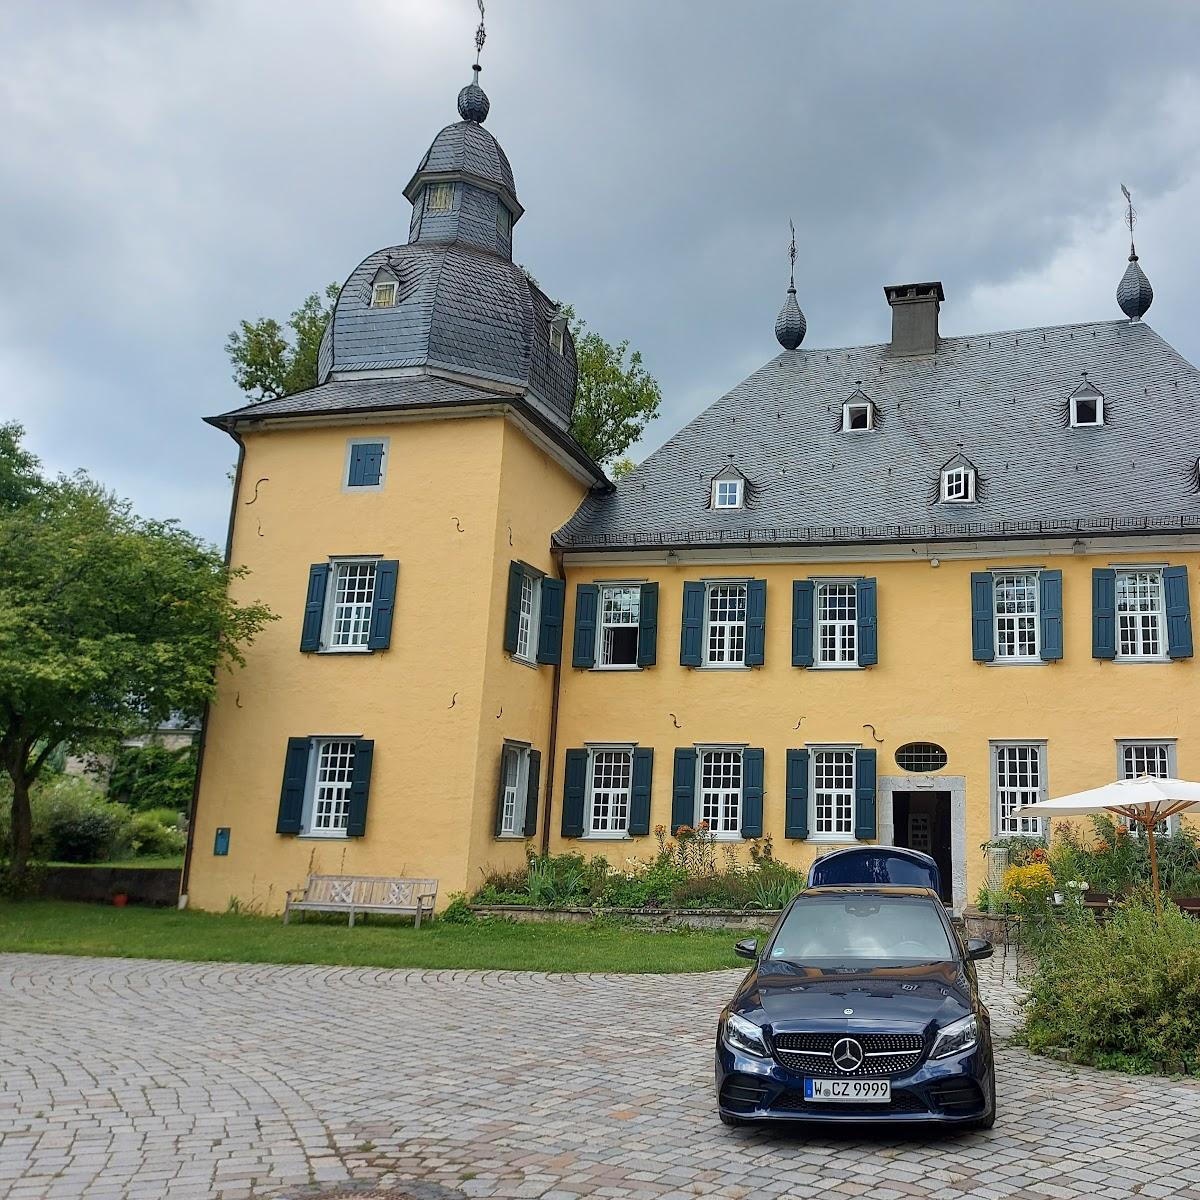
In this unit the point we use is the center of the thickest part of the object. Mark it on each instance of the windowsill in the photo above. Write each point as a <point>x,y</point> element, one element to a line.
<point>607,837</point>
<point>512,837</point>
<point>524,662</point>
<point>1017,662</point>
<point>1149,658</point>
<point>340,836</point>
<point>346,650</point>
<point>832,839</point>
<point>724,667</point>
<point>351,488</point>
<point>616,667</point>
<point>836,667</point>
<point>728,837</point>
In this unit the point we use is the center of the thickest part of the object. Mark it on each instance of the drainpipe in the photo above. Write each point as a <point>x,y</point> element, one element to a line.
<point>185,874</point>
<point>552,748</point>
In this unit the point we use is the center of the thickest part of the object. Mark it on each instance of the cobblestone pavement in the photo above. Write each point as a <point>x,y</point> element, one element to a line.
<point>128,1079</point>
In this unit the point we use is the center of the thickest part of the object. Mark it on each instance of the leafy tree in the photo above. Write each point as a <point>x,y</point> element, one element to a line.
<point>19,474</point>
<point>266,365</point>
<point>621,467</point>
<point>153,777</point>
<point>108,623</point>
<point>616,397</point>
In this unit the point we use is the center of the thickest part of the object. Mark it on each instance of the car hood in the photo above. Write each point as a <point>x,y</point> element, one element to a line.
<point>901,999</point>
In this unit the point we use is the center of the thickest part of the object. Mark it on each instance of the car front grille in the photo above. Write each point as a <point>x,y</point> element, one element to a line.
<point>901,1102</point>
<point>885,1053</point>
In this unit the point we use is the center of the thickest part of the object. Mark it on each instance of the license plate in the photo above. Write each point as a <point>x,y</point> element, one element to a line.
<point>848,1091</point>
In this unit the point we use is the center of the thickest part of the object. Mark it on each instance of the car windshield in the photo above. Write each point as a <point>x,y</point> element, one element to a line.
<point>852,930</point>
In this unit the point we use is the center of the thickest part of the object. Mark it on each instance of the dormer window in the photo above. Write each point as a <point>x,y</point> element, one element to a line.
<point>558,327</point>
<point>1087,405</point>
<point>958,485</point>
<point>383,295</point>
<point>727,493</point>
<point>858,414</point>
<point>439,197</point>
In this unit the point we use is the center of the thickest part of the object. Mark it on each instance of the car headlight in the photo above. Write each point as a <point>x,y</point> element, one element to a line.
<point>743,1035</point>
<point>955,1038</point>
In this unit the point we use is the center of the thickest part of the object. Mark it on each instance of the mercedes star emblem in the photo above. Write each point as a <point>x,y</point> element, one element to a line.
<point>848,1011</point>
<point>847,1055</point>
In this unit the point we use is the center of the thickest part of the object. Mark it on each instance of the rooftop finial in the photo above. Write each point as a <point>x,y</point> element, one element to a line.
<point>473,104</point>
<point>790,325</point>
<point>1134,293</point>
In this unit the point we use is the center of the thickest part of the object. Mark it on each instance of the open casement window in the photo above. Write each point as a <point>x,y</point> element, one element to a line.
<point>326,783</point>
<point>1087,406</point>
<point>1155,759</point>
<point>616,625</point>
<point>958,485</point>
<point>617,629</point>
<point>534,619</point>
<point>858,415</point>
<point>1018,778</point>
<point>349,605</point>
<point>517,791</point>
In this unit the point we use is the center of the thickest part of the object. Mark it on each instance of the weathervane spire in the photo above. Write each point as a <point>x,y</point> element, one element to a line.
<point>480,36</point>
<point>473,103</point>
<point>1134,293</point>
<point>790,325</point>
<point>792,257</point>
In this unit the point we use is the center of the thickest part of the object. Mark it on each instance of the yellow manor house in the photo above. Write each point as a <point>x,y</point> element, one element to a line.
<point>882,593</point>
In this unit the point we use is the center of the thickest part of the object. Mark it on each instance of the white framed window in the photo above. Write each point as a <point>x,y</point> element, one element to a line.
<point>349,603</point>
<point>958,485</point>
<point>439,197</point>
<point>837,625</point>
<point>719,791</point>
<point>1141,616</point>
<point>832,791</point>
<point>610,784</point>
<point>1155,758</point>
<point>383,295</point>
<point>725,625</point>
<point>858,415</point>
<point>558,326</point>
<point>1015,615</point>
<point>527,622</point>
<point>327,795</point>
<point>1018,778</point>
<point>727,493</point>
<point>617,628</point>
<point>514,790</point>
<point>1087,407</point>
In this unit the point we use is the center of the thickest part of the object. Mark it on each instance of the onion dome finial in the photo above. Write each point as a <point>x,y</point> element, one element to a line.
<point>473,102</point>
<point>790,325</point>
<point>1134,293</point>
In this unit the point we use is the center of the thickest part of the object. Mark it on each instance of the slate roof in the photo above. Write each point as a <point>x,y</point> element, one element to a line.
<point>998,400</point>
<point>469,148</point>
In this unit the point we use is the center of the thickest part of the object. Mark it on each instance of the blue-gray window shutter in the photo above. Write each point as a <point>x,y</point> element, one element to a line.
<point>1104,612</point>
<point>752,793</point>
<point>499,826</point>
<point>550,621</point>
<point>587,599</point>
<point>802,622</point>
<point>796,803</point>
<point>366,464</point>
<point>865,825</point>
<point>639,795</point>
<point>314,606</point>
<point>1179,612</point>
<point>683,790</point>
<point>387,571</point>
<point>532,792</point>
<point>295,777</point>
<point>574,793</point>
<point>868,623</point>
<point>691,637</point>
<point>647,654</point>
<point>983,633</point>
<point>1050,614</point>
<point>360,787</point>
<point>512,616</point>
<point>756,622</point>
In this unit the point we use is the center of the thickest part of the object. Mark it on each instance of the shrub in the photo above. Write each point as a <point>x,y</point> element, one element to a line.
<point>72,822</point>
<point>458,911</point>
<point>146,777</point>
<point>155,834</point>
<point>1123,993</point>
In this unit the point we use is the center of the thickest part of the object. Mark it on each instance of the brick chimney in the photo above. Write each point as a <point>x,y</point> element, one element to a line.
<point>914,316</point>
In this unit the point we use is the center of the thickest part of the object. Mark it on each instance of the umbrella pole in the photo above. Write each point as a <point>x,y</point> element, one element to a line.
<point>1150,823</point>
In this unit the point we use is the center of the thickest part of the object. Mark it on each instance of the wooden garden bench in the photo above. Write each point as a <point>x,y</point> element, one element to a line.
<point>356,894</point>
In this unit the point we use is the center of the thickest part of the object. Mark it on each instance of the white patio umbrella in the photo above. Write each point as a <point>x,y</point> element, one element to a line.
<point>1145,800</point>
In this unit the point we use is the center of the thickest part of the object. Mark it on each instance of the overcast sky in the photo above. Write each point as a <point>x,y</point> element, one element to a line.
<point>168,168</point>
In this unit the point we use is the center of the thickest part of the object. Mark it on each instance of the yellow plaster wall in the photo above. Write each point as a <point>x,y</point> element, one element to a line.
<point>926,687</point>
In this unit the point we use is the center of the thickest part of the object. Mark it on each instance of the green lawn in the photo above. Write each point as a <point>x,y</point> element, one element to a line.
<point>168,860</point>
<point>58,927</point>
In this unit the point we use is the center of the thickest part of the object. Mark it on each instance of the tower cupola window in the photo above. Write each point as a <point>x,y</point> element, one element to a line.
<point>503,219</point>
<point>383,295</point>
<point>558,326</point>
<point>439,197</point>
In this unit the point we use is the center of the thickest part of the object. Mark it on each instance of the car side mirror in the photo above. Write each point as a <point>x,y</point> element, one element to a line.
<point>979,948</point>
<point>746,948</point>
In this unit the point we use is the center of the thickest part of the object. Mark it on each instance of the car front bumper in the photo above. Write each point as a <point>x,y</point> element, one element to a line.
<point>951,1091</point>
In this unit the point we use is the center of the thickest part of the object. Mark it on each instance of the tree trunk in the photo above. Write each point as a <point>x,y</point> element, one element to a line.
<point>22,828</point>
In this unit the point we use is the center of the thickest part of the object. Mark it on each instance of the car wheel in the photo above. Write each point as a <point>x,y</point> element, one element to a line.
<point>732,1122</point>
<point>984,1122</point>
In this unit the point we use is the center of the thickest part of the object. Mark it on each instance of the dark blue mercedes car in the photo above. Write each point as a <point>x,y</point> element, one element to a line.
<point>862,1006</point>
